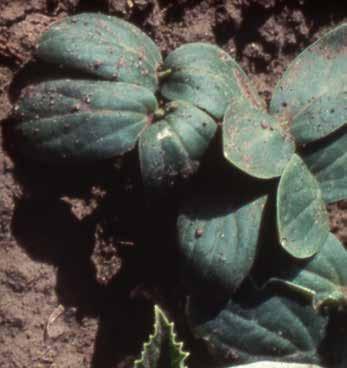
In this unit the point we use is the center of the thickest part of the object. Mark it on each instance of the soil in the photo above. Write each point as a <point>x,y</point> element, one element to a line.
<point>77,283</point>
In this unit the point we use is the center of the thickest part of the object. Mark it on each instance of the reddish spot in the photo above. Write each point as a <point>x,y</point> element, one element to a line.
<point>97,64</point>
<point>121,62</point>
<point>76,107</point>
<point>232,355</point>
<point>199,233</point>
<point>150,119</point>
<point>264,125</point>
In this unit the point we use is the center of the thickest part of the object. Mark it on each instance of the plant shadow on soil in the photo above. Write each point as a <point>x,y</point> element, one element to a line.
<point>45,226</point>
<point>49,232</point>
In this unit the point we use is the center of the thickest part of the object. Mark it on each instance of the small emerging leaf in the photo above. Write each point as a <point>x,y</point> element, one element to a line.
<point>259,328</point>
<point>204,75</point>
<point>302,218</point>
<point>172,148</point>
<point>218,243</point>
<point>254,141</point>
<point>312,93</point>
<point>81,121</point>
<point>328,163</point>
<point>162,348</point>
<point>103,46</point>
<point>323,278</point>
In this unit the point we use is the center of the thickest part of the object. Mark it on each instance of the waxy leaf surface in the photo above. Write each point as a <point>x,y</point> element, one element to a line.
<point>254,141</point>
<point>102,46</point>
<point>218,243</point>
<point>302,218</point>
<point>323,278</point>
<point>172,148</point>
<point>259,328</point>
<point>204,75</point>
<point>162,349</point>
<point>312,93</point>
<point>82,121</point>
<point>328,163</point>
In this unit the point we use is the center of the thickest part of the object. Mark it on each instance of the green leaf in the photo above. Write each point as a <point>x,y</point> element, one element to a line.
<point>320,118</point>
<point>218,243</point>
<point>162,348</point>
<point>312,93</point>
<point>329,165</point>
<point>323,278</point>
<point>81,121</point>
<point>102,46</point>
<point>302,218</point>
<point>204,75</point>
<point>254,141</point>
<point>172,148</point>
<point>259,328</point>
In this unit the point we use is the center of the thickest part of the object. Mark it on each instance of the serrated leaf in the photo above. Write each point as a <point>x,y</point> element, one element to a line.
<point>218,243</point>
<point>81,121</point>
<point>328,163</point>
<point>102,46</point>
<point>205,76</point>
<point>259,328</point>
<point>312,92</point>
<point>323,278</point>
<point>254,141</point>
<point>302,219</point>
<point>162,348</point>
<point>172,148</point>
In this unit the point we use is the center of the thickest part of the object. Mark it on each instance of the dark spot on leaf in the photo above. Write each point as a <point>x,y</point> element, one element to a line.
<point>232,355</point>
<point>199,232</point>
<point>97,64</point>
<point>76,107</point>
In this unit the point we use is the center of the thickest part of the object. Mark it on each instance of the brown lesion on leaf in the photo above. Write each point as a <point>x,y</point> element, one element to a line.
<point>189,169</point>
<point>327,52</point>
<point>247,90</point>
<point>223,56</point>
<point>82,106</point>
<point>199,232</point>
<point>97,64</point>
<point>232,355</point>
<point>121,63</point>
<point>265,125</point>
<point>343,290</point>
<point>285,122</point>
<point>150,119</point>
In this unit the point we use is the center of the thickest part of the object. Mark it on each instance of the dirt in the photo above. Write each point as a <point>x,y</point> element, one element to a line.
<point>77,282</point>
